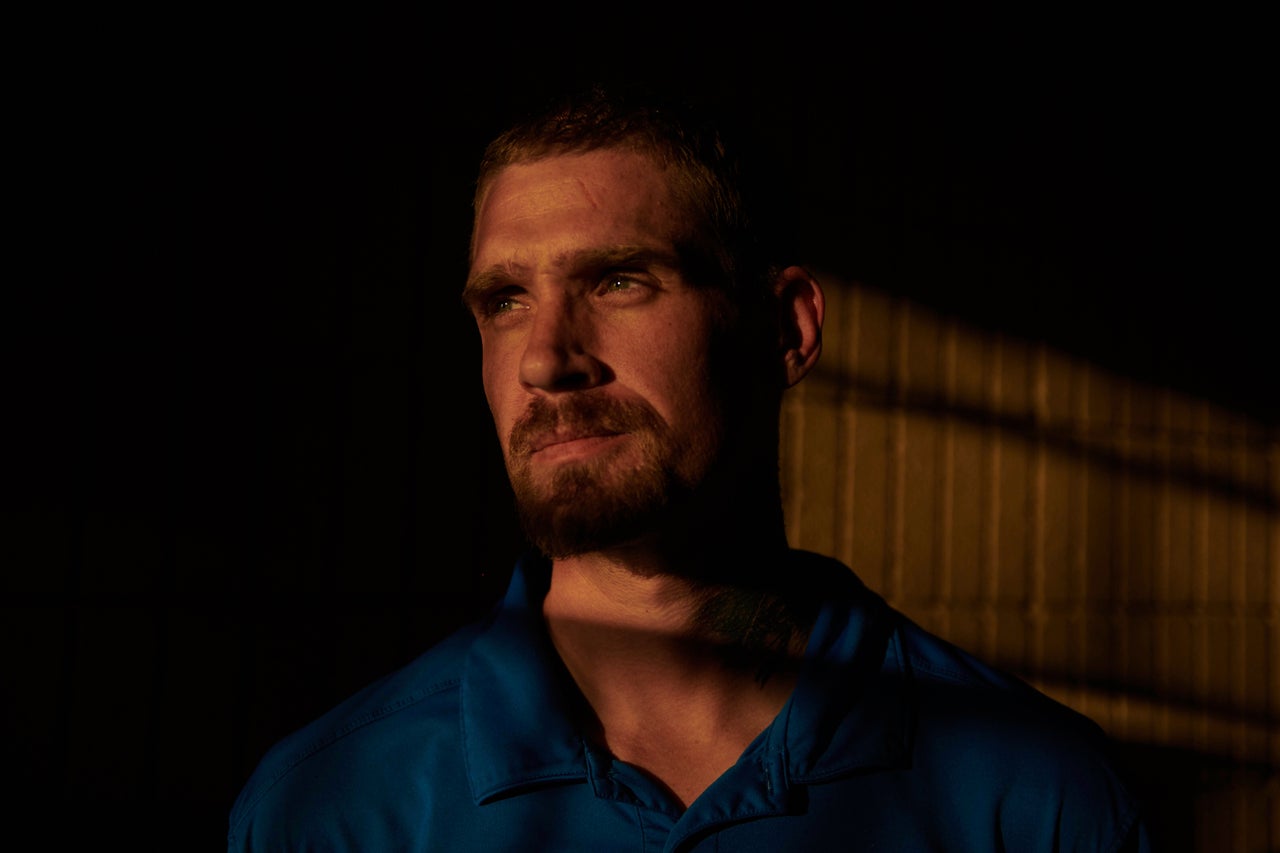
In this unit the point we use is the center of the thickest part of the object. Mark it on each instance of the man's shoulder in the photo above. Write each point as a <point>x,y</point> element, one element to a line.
<point>414,708</point>
<point>952,677</point>
<point>962,697</point>
<point>986,741</point>
<point>1006,737</point>
<point>934,664</point>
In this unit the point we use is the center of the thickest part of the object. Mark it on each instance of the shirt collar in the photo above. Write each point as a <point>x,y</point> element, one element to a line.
<point>849,710</point>
<point>518,701</point>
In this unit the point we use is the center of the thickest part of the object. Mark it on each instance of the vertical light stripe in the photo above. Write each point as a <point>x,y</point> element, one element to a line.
<point>1035,586</point>
<point>901,315</point>
<point>1200,578</point>
<point>1251,824</point>
<point>947,482</point>
<point>1162,568</point>
<point>1080,546</point>
<point>992,563</point>
<point>1122,543</point>
<point>1239,598</point>
<point>849,360</point>
<point>1271,667</point>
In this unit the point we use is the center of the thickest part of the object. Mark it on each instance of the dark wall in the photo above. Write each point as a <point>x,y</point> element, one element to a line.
<point>251,468</point>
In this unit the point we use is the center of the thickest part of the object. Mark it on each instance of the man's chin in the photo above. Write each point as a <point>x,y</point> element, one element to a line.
<point>580,514</point>
<point>563,532</point>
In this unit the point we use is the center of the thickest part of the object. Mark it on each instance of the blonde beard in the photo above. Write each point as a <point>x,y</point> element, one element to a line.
<point>588,506</point>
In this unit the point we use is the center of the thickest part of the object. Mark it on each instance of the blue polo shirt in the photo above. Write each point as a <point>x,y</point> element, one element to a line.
<point>892,740</point>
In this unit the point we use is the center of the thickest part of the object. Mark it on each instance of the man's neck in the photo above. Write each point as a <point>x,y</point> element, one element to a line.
<point>675,662</point>
<point>740,602</point>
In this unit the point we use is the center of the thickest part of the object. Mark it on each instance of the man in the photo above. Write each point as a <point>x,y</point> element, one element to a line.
<point>665,672</point>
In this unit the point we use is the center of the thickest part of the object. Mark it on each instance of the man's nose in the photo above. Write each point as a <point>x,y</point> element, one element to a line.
<point>558,354</point>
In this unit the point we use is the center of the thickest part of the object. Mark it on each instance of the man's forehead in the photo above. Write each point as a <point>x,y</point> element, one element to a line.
<point>557,211</point>
<point>588,179</point>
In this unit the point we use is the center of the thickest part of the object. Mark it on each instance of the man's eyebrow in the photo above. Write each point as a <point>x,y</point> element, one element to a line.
<point>576,264</point>
<point>610,257</point>
<point>486,281</point>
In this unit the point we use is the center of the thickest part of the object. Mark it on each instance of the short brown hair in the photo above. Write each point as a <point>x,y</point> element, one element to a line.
<point>709,173</point>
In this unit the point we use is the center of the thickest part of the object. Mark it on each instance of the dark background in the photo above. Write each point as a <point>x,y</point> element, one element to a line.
<point>250,466</point>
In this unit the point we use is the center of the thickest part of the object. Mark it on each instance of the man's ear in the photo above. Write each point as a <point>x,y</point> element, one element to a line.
<point>801,308</point>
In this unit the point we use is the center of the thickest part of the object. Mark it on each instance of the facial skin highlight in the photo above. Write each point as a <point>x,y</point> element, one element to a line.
<point>599,360</point>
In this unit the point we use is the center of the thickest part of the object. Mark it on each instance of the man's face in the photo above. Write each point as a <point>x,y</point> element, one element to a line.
<point>597,349</point>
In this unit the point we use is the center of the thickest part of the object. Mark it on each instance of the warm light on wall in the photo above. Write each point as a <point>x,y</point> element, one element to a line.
<point>1115,543</point>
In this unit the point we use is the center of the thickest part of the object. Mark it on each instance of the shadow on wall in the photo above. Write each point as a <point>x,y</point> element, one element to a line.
<point>1113,542</point>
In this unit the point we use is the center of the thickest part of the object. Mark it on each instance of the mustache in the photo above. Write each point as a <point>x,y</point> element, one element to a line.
<point>589,414</point>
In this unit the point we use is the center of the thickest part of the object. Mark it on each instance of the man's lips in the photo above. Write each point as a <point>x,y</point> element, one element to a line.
<point>538,443</point>
<point>578,423</point>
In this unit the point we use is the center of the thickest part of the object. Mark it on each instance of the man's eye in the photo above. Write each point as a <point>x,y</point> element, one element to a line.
<point>503,303</point>
<point>615,283</point>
